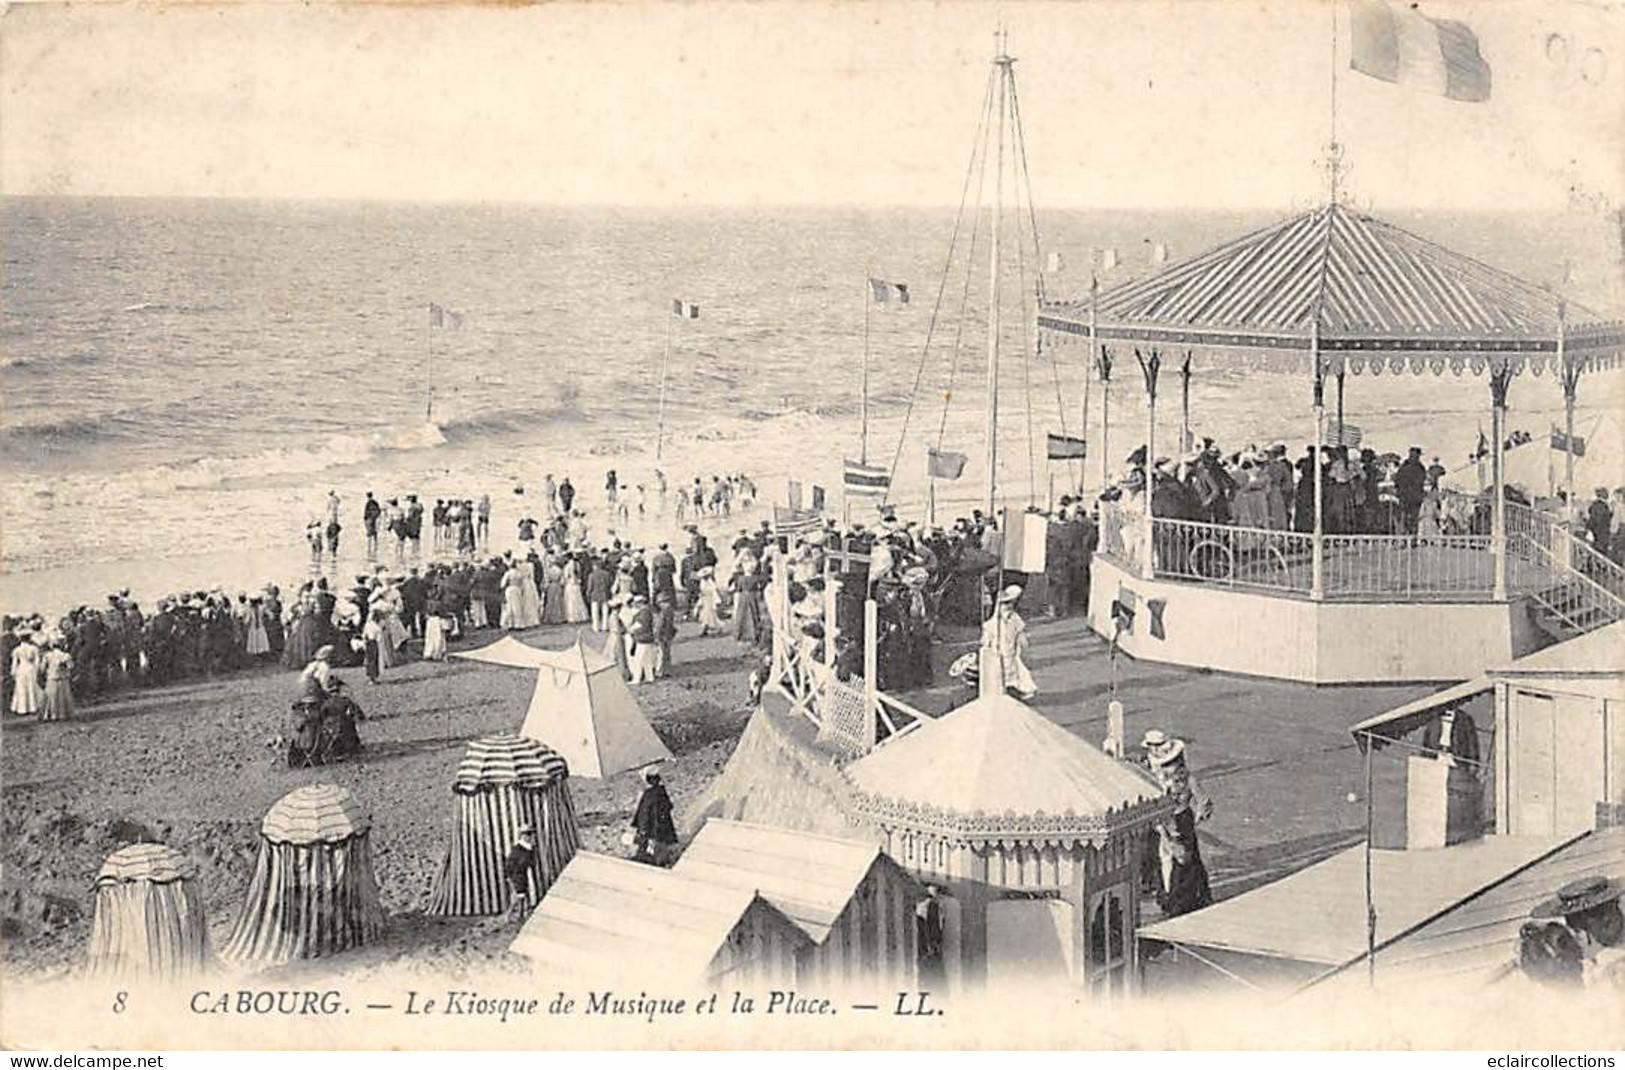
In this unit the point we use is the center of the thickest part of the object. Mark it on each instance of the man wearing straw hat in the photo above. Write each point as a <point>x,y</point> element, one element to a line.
<point>1590,908</point>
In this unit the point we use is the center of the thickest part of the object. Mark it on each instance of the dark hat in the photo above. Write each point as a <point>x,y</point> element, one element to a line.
<point>1579,896</point>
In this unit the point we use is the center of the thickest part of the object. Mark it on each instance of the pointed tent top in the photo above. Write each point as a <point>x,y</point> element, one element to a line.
<point>576,658</point>
<point>997,769</point>
<point>1373,289</point>
<point>582,708</point>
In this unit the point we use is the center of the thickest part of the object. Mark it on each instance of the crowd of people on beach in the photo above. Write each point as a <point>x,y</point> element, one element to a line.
<point>554,575</point>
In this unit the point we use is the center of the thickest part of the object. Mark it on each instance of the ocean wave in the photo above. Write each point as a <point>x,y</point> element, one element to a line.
<point>63,432</point>
<point>37,365</point>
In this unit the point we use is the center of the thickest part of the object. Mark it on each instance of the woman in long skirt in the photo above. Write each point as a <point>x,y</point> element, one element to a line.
<point>575,603</point>
<point>58,684</point>
<point>530,590</point>
<point>256,641</point>
<point>615,646</point>
<point>513,598</point>
<point>710,600</point>
<point>26,697</point>
<point>553,593</point>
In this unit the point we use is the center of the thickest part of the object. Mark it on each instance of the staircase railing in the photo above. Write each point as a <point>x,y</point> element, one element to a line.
<point>1579,601</point>
<point>843,711</point>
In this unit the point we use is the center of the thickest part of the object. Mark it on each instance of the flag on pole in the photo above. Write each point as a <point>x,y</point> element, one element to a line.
<point>866,480</point>
<point>793,489</point>
<point>1066,448</point>
<point>944,464</point>
<point>1562,443</point>
<point>437,315</point>
<point>454,320</point>
<point>817,498</point>
<point>1395,43</point>
<point>685,310</point>
<point>1056,262</point>
<point>1348,435</point>
<point>795,521</point>
<point>885,292</point>
<point>1108,259</point>
<point>1482,450</point>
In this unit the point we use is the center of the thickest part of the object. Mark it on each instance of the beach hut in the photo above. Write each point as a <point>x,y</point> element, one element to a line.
<point>581,707</point>
<point>504,782</point>
<point>149,918</point>
<point>610,919</point>
<point>313,892</point>
<point>855,904</point>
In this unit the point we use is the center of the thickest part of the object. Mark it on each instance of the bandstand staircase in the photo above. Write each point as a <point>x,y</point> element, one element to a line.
<point>1576,589</point>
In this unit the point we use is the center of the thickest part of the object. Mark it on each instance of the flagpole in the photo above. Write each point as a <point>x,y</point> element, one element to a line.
<point>868,297</point>
<point>428,409</point>
<point>665,360</point>
<point>1002,61</point>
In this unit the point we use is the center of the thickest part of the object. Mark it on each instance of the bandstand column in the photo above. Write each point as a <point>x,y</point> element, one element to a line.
<point>1185,440</point>
<point>1500,379</point>
<point>1317,552</point>
<point>1105,416</point>
<point>1571,390</point>
<point>1149,366</point>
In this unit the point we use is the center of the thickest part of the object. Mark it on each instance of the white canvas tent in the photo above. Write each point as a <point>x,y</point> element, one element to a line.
<point>581,707</point>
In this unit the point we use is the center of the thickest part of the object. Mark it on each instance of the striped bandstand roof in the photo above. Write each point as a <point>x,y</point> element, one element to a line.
<point>316,813</point>
<point>508,761</point>
<point>153,862</point>
<point>1381,296</point>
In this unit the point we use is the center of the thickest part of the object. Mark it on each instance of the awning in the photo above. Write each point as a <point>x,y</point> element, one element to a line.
<point>1403,720</point>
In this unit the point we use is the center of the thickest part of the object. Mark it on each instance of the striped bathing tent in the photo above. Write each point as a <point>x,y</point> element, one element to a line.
<point>149,919</point>
<point>313,892</point>
<point>504,782</point>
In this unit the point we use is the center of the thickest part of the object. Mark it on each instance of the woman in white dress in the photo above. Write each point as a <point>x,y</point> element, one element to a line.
<point>256,642</point>
<point>575,603</point>
<point>386,598</point>
<point>513,598</point>
<point>710,600</point>
<point>26,697</point>
<point>531,593</point>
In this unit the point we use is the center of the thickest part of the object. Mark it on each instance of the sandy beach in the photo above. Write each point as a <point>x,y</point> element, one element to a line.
<point>190,766</point>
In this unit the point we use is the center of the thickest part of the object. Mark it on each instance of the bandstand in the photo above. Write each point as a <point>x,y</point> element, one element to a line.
<point>1317,297</point>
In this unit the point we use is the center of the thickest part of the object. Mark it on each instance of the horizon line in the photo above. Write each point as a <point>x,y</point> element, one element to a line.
<point>1288,207</point>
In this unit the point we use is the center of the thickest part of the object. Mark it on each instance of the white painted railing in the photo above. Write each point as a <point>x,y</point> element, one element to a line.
<point>1232,556</point>
<point>1401,568</point>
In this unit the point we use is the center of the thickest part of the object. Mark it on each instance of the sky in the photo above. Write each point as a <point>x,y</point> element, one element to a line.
<point>1200,103</point>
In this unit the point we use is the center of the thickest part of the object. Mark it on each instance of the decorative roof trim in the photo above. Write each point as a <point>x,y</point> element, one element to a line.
<point>1009,828</point>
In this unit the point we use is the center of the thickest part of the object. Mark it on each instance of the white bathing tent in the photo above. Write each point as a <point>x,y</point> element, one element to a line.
<point>581,707</point>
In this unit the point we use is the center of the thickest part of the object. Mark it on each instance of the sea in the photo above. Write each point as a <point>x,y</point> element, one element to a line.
<point>185,380</point>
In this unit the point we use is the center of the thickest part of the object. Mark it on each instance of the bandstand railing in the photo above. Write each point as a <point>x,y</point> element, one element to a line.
<point>1232,556</point>
<point>1409,568</point>
<point>1543,556</point>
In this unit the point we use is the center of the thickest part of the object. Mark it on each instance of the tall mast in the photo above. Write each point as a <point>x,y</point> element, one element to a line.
<point>660,418</point>
<point>1003,63</point>
<point>863,442</point>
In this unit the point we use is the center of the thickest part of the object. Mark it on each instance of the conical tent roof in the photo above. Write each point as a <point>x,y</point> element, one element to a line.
<point>997,769</point>
<point>316,813</point>
<point>581,708</point>
<point>154,862</point>
<point>508,760</point>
